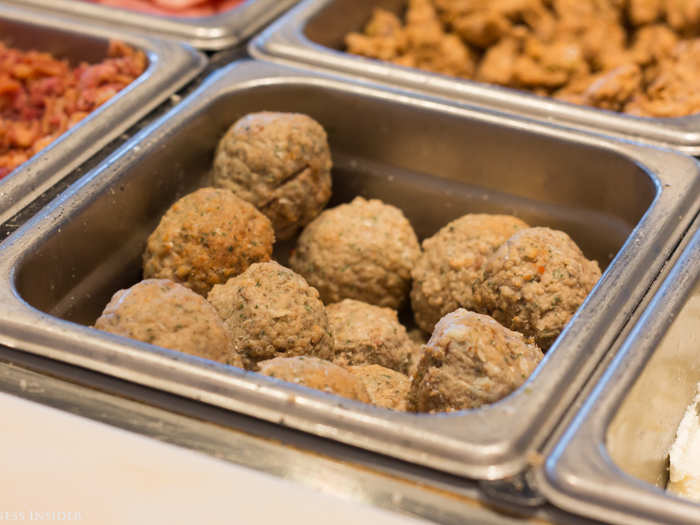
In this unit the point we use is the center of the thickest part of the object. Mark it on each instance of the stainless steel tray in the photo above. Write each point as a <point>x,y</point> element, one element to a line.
<point>313,32</point>
<point>171,66</point>
<point>612,462</point>
<point>624,204</point>
<point>208,32</point>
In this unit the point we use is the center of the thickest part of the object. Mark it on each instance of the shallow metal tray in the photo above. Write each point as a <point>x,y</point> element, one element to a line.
<point>171,65</point>
<point>612,462</point>
<point>216,32</point>
<point>624,204</point>
<point>313,33</point>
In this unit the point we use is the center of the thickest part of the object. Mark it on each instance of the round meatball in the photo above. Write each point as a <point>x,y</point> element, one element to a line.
<point>363,250</point>
<point>368,334</point>
<point>279,162</point>
<point>386,388</point>
<point>452,261</point>
<point>167,314</point>
<point>535,282</point>
<point>316,373</point>
<point>270,311</point>
<point>470,361</point>
<point>205,238</point>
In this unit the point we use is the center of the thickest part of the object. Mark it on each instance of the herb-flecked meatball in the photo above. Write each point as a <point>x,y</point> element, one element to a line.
<point>270,311</point>
<point>386,388</point>
<point>470,361</point>
<point>364,250</point>
<point>279,162</point>
<point>368,334</point>
<point>205,238</point>
<point>316,373</point>
<point>452,261</point>
<point>167,314</point>
<point>535,282</point>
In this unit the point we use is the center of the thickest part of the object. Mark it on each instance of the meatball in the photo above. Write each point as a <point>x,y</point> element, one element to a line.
<point>470,361</point>
<point>167,314</point>
<point>386,388</point>
<point>535,282</point>
<point>316,373</point>
<point>368,334</point>
<point>452,260</point>
<point>270,311</point>
<point>279,162</point>
<point>418,337</point>
<point>363,250</point>
<point>205,238</point>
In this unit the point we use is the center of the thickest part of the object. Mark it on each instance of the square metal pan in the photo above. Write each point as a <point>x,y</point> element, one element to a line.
<point>626,205</point>
<point>171,66</point>
<point>611,463</point>
<point>313,32</point>
<point>211,33</point>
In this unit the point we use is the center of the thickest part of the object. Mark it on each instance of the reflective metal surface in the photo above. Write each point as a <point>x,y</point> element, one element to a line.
<point>313,34</point>
<point>171,66</point>
<point>215,32</point>
<point>328,467</point>
<point>611,463</point>
<point>625,205</point>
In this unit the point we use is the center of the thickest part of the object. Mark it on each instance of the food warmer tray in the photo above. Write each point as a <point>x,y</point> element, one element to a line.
<point>433,160</point>
<point>611,463</point>
<point>211,33</point>
<point>313,34</point>
<point>171,66</point>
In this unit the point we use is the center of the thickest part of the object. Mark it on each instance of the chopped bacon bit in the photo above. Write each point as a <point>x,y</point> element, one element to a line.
<point>540,270</point>
<point>41,97</point>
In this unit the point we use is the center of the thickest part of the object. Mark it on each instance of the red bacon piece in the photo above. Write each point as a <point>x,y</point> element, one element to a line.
<point>41,97</point>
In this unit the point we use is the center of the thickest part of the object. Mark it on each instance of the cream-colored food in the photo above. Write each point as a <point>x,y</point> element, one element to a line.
<point>279,162</point>
<point>369,334</point>
<point>316,373</point>
<point>205,238</point>
<point>386,388</point>
<point>470,361</point>
<point>452,261</point>
<point>167,314</point>
<point>364,250</point>
<point>684,456</point>
<point>270,311</point>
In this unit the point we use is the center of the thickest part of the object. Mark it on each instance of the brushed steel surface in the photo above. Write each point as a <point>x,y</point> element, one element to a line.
<point>611,463</point>
<point>171,65</point>
<point>312,33</point>
<point>625,205</point>
<point>326,466</point>
<point>212,33</point>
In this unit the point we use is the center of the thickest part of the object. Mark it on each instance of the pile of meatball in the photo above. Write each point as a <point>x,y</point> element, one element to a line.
<point>493,291</point>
